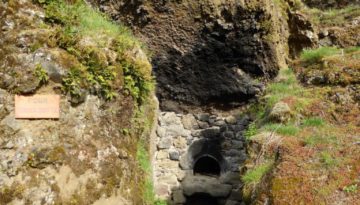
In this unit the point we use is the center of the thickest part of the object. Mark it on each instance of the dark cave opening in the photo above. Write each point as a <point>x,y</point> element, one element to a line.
<point>201,199</point>
<point>207,165</point>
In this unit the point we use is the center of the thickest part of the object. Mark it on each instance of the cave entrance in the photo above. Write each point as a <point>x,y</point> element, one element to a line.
<point>201,199</point>
<point>207,165</point>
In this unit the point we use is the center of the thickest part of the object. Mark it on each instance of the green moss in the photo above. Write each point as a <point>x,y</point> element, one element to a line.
<point>85,33</point>
<point>9,193</point>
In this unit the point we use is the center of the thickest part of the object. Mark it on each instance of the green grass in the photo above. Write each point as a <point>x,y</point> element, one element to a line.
<point>313,122</point>
<point>327,159</point>
<point>334,17</point>
<point>320,139</point>
<point>316,55</point>
<point>286,130</point>
<point>145,164</point>
<point>254,176</point>
<point>287,86</point>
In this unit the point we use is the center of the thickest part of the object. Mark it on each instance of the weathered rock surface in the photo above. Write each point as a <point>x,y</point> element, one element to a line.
<point>203,184</point>
<point>205,51</point>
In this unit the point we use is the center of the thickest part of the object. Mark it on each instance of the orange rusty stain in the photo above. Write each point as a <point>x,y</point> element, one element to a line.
<point>37,107</point>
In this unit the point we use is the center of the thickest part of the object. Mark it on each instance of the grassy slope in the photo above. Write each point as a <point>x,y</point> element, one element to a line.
<point>320,159</point>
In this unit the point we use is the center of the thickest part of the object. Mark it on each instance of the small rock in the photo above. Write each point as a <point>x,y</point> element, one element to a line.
<point>174,155</point>
<point>162,154</point>
<point>203,117</point>
<point>189,122</point>
<point>231,120</point>
<point>169,118</point>
<point>180,142</point>
<point>228,134</point>
<point>203,125</point>
<point>280,112</point>
<point>165,143</point>
<point>219,123</point>
<point>178,197</point>
<point>176,130</point>
<point>211,132</point>
<point>161,132</point>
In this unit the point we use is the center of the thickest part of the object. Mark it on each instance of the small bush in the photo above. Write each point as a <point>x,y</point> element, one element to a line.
<point>316,55</point>
<point>251,131</point>
<point>254,176</point>
<point>313,122</point>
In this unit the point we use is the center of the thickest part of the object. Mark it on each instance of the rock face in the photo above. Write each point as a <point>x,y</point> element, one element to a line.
<point>85,157</point>
<point>178,170</point>
<point>204,51</point>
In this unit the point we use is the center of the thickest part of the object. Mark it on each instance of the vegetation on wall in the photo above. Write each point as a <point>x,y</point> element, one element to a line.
<point>106,52</point>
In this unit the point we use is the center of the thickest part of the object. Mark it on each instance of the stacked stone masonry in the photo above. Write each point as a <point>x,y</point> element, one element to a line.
<point>183,140</point>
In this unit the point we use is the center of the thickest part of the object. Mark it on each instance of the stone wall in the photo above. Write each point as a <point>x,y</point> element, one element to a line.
<point>182,140</point>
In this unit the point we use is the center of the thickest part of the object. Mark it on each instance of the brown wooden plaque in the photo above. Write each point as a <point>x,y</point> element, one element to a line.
<point>37,107</point>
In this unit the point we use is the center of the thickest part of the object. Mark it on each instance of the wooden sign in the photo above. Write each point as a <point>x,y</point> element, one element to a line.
<point>37,107</point>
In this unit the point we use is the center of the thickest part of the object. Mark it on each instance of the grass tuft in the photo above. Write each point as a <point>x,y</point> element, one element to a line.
<point>313,122</point>
<point>286,130</point>
<point>316,55</point>
<point>254,176</point>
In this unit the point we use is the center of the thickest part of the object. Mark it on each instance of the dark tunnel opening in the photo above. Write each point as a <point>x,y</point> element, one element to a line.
<point>201,199</point>
<point>207,165</point>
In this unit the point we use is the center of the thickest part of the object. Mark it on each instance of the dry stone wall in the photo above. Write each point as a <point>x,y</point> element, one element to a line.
<point>183,141</point>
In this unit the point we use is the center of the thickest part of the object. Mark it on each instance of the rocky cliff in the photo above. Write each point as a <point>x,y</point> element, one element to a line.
<point>206,51</point>
<point>89,155</point>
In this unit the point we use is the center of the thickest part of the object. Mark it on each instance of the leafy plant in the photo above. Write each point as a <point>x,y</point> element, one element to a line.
<point>72,82</point>
<point>251,131</point>
<point>351,188</point>
<point>41,74</point>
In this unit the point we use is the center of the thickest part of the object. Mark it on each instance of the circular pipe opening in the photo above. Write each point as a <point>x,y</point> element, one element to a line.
<point>207,165</point>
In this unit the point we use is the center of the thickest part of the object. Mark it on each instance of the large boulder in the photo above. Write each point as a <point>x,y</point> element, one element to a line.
<point>203,184</point>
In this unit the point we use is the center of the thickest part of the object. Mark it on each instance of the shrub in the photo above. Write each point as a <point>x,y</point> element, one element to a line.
<point>316,55</point>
